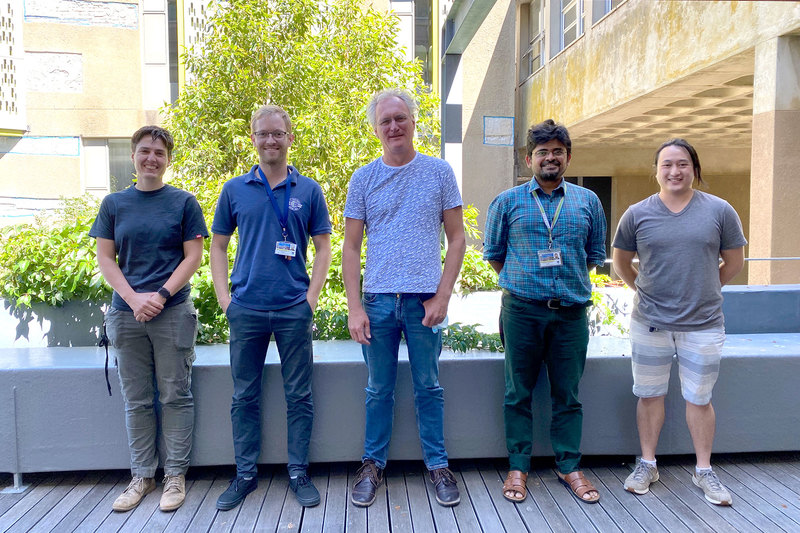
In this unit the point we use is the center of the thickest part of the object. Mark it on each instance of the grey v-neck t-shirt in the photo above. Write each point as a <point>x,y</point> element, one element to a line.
<point>678,286</point>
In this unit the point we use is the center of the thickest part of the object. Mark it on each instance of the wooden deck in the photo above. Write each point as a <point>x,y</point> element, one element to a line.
<point>765,488</point>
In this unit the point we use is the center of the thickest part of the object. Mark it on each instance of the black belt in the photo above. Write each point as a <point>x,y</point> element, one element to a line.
<point>552,303</point>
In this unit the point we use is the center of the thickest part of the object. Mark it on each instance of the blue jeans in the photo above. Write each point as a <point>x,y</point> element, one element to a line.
<point>159,352</point>
<point>389,315</point>
<point>250,335</point>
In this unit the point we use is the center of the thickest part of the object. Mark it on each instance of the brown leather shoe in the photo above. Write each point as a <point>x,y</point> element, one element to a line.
<point>134,493</point>
<point>368,478</point>
<point>174,492</point>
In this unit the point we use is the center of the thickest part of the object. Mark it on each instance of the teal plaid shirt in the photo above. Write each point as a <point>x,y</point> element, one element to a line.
<point>515,232</point>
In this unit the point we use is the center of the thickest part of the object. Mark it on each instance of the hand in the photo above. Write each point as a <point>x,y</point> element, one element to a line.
<point>358,324</point>
<point>312,301</point>
<point>435,310</point>
<point>224,303</point>
<point>146,305</point>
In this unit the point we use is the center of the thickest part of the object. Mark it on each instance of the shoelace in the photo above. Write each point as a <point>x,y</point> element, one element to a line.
<point>444,475</point>
<point>713,481</point>
<point>641,472</point>
<point>136,483</point>
<point>303,480</point>
<point>171,483</point>
<point>367,470</point>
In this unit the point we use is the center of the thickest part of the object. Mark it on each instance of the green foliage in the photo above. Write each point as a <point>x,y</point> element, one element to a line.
<point>53,260</point>
<point>321,61</point>
<point>463,337</point>
<point>213,325</point>
<point>601,314</point>
<point>476,274</point>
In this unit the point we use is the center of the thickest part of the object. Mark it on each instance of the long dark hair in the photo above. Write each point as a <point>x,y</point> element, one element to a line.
<point>686,146</point>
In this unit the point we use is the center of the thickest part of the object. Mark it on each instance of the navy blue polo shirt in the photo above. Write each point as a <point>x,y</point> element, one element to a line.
<point>261,279</point>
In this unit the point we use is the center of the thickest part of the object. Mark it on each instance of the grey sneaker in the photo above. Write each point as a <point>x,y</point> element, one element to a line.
<point>713,488</point>
<point>640,479</point>
<point>134,493</point>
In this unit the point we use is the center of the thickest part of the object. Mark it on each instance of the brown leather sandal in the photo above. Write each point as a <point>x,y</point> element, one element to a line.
<point>579,486</point>
<point>515,483</point>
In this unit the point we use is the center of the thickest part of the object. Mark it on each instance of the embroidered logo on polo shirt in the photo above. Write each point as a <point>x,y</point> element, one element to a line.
<point>294,204</point>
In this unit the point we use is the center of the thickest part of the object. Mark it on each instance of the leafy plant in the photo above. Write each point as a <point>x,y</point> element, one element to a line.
<point>476,274</point>
<point>601,314</point>
<point>463,337</point>
<point>321,61</point>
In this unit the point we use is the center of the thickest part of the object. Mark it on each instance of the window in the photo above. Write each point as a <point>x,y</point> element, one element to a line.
<point>107,165</point>
<point>571,21</point>
<point>531,39</point>
<point>600,8</point>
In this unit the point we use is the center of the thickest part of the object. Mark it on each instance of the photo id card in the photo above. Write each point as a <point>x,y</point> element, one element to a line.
<point>286,249</point>
<point>549,258</point>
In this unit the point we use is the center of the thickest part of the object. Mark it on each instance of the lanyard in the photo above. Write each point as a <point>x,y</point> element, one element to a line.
<point>283,216</point>
<point>547,223</point>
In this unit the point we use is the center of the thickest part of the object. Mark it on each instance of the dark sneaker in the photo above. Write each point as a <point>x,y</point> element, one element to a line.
<point>236,492</point>
<point>445,484</point>
<point>368,478</point>
<point>304,490</point>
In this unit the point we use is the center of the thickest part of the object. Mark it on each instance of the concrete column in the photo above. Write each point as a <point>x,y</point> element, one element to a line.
<point>775,162</point>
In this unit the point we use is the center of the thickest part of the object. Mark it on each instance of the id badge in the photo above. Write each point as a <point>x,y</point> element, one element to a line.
<point>286,249</point>
<point>549,258</point>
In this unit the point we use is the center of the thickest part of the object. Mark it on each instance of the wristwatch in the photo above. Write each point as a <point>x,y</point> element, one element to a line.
<point>163,292</point>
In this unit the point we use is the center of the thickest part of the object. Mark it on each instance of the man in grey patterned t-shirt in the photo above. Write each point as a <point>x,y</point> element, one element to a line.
<point>401,199</point>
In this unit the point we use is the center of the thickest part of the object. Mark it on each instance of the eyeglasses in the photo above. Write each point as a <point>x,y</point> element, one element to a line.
<point>558,152</point>
<point>277,134</point>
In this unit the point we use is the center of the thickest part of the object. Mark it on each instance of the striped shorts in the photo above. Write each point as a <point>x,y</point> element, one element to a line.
<point>698,352</point>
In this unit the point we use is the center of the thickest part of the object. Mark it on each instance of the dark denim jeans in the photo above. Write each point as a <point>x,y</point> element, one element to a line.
<point>250,335</point>
<point>389,316</point>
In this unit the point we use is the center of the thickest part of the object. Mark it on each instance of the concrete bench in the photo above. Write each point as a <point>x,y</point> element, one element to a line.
<point>57,414</point>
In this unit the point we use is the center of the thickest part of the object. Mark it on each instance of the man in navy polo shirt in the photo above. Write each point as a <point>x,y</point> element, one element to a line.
<point>276,210</point>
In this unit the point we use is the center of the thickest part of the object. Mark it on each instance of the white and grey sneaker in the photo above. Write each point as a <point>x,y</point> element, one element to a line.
<point>642,476</point>
<point>713,488</point>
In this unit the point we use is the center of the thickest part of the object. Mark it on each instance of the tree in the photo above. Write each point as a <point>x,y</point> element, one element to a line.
<point>321,61</point>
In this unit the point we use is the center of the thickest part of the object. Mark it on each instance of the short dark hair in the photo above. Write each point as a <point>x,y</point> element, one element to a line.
<point>156,132</point>
<point>686,146</point>
<point>547,131</point>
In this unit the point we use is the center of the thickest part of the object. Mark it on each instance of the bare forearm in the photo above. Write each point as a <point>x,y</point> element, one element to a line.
<point>351,275</point>
<point>111,272</point>
<point>452,266</point>
<point>496,265</point>
<point>319,271</point>
<point>218,261</point>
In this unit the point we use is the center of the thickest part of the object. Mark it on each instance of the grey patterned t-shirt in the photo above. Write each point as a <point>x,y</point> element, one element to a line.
<point>402,210</point>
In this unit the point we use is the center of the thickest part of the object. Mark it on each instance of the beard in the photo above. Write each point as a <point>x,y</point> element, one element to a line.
<point>550,176</point>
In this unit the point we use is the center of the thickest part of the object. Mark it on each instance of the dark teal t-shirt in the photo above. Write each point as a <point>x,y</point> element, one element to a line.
<point>148,229</point>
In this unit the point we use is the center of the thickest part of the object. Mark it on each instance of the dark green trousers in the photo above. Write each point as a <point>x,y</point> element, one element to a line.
<point>534,334</point>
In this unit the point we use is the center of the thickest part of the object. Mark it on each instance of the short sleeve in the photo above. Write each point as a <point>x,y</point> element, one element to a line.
<point>732,234</point>
<point>451,196</point>
<point>194,225</point>
<point>223,223</point>
<point>320,221</point>
<point>625,238</point>
<point>103,225</point>
<point>355,206</point>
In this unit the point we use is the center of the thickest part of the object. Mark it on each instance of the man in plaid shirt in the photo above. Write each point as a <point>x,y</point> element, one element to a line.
<point>543,238</point>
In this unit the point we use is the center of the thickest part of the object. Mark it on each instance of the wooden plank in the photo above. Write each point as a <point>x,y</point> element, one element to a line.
<point>357,516</point>
<point>139,516</point>
<point>595,512</point>
<point>444,518</point>
<point>102,510</point>
<point>650,503</point>
<point>783,497</point>
<point>506,510</point>
<point>201,480</point>
<point>55,515</point>
<point>399,508</point>
<point>763,491</point>
<point>612,500</point>
<point>573,510</point>
<point>783,476</point>
<point>159,520</point>
<point>377,515</point>
<point>481,501</point>
<point>464,513</point>
<point>416,477</point>
<point>291,516</point>
<point>90,501</point>
<point>631,503</point>
<point>7,501</point>
<point>273,504</point>
<point>718,518</point>
<point>28,501</point>
<point>337,499</point>
<point>749,504</point>
<point>207,511</point>
<point>547,505</point>
<point>314,517</point>
<point>47,502</point>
